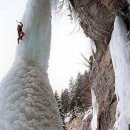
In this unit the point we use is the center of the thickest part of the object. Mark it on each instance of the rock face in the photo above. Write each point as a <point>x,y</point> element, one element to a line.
<point>102,76</point>
<point>74,124</point>
<point>80,123</point>
<point>97,18</point>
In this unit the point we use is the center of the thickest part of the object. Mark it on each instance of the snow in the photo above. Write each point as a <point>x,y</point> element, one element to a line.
<point>67,119</point>
<point>26,97</point>
<point>120,53</point>
<point>87,113</point>
<point>93,46</point>
<point>95,111</point>
<point>85,116</point>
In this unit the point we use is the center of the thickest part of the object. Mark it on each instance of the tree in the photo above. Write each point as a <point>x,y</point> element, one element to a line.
<point>60,109</point>
<point>87,89</point>
<point>79,94</point>
<point>72,94</point>
<point>65,100</point>
<point>78,97</point>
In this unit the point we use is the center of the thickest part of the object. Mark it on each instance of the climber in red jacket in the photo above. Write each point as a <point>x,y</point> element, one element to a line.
<point>20,32</point>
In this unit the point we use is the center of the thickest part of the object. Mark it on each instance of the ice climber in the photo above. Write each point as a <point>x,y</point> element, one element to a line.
<point>20,32</point>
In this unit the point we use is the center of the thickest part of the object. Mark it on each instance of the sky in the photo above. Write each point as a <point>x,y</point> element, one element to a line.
<point>10,11</point>
<point>68,43</point>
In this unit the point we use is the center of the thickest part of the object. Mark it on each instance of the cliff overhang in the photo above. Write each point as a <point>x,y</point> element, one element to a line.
<point>97,18</point>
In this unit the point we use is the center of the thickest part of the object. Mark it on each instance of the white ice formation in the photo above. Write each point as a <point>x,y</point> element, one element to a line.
<point>26,97</point>
<point>120,53</point>
<point>94,111</point>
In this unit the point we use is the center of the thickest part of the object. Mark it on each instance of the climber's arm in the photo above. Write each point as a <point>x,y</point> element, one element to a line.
<point>21,24</point>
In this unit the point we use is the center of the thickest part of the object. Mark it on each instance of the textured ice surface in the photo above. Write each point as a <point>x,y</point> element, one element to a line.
<point>35,48</point>
<point>120,53</point>
<point>26,98</point>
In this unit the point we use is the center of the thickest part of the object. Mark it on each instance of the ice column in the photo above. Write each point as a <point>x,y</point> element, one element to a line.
<point>26,98</point>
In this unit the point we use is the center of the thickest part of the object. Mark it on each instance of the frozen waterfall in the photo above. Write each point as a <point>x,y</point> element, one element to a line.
<point>120,53</point>
<point>26,98</point>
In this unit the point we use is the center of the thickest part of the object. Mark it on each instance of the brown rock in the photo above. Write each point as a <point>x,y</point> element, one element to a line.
<point>103,84</point>
<point>96,19</point>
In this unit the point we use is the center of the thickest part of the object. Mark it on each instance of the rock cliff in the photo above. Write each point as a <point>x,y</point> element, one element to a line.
<point>97,19</point>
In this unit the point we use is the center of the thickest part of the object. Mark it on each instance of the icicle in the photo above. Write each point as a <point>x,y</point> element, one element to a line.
<point>120,53</point>
<point>95,111</point>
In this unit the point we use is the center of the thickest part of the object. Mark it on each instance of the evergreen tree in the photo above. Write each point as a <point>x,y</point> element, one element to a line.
<point>72,95</point>
<point>87,90</point>
<point>78,97</point>
<point>60,109</point>
<point>79,91</point>
<point>65,100</point>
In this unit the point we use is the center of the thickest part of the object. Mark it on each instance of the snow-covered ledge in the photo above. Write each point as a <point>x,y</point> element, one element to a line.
<point>120,53</point>
<point>26,97</point>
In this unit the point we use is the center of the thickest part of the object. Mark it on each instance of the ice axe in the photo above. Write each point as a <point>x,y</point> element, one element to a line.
<point>17,21</point>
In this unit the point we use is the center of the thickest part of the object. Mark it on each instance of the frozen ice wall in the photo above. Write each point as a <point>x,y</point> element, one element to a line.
<point>35,48</point>
<point>120,53</point>
<point>26,98</point>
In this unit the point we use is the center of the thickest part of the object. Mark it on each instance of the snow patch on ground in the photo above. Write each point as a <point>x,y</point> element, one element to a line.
<point>87,113</point>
